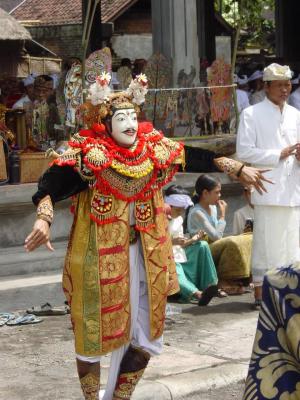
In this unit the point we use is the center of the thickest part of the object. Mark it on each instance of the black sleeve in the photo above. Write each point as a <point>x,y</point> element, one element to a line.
<point>59,183</point>
<point>199,160</point>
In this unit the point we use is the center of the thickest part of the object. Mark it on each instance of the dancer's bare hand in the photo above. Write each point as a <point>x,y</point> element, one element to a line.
<point>40,235</point>
<point>254,177</point>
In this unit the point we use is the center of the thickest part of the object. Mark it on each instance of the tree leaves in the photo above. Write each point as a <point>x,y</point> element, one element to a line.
<point>256,19</point>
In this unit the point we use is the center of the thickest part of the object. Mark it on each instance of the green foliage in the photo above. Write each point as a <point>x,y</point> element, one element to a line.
<point>257,29</point>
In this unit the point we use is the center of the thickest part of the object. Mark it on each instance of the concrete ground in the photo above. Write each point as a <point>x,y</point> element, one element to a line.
<point>206,349</point>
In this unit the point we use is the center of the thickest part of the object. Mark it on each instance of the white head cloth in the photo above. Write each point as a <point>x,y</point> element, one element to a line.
<point>276,72</point>
<point>243,80</point>
<point>179,200</point>
<point>256,75</point>
<point>29,80</point>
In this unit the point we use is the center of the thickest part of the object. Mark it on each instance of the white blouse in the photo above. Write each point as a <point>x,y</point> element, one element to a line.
<point>176,230</point>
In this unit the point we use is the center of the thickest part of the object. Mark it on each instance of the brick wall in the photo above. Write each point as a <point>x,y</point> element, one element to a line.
<point>133,24</point>
<point>65,40</point>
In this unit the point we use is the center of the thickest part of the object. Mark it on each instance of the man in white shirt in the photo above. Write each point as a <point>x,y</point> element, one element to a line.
<point>29,89</point>
<point>269,136</point>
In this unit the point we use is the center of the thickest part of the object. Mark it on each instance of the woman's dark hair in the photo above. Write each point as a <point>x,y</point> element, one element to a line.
<point>176,189</point>
<point>126,62</point>
<point>204,182</point>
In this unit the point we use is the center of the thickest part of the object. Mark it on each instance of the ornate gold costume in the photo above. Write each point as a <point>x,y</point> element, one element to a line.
<point>90,385</point>
<point>96,274</point>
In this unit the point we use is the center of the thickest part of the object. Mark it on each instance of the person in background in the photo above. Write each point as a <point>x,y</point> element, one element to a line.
<point>42,116</point>
<point>126,62</point>
<point>256,85</point>
<point>231,254</point>
<point>43,88</point>
<point>243,83</point>
<point>195,267</point>
<point>138,66</point>
<point>241,94</point>
<point>269,136</point>
<point>29,96</point>
<point>244,214</point>
<point>294,99</point>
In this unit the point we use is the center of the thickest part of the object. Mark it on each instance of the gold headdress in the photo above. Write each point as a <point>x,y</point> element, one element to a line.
<point>107,102</point>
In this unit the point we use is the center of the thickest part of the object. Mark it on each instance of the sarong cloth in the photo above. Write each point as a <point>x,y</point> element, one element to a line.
<point>232,256</point>
<point>198,272</point>
<point>274,371</point>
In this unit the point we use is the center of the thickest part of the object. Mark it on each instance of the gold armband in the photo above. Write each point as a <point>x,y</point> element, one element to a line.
<point>229,166</point>
<point>45,210</point>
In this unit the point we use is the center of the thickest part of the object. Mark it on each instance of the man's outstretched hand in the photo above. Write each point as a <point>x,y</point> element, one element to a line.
<point>40,235</point>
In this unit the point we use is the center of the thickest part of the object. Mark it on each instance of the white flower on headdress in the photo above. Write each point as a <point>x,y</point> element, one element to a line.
<point>104,79</point>
<point>138,89</point>
<point>99,91</point>
<point>142,79</point>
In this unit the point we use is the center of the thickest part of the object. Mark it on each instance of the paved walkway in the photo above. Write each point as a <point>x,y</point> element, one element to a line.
<point>204,348</point>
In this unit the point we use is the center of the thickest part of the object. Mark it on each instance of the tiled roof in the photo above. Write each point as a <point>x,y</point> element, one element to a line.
<point>49,12</point>
<point>112,9</point>
<point>66,12</point>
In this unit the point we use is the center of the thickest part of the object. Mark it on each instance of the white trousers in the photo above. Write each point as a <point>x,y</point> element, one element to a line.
<point>140,328</point>
<point>275,239</point>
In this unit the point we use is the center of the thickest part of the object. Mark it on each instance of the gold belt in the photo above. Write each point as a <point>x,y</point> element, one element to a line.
<point>133,235</point>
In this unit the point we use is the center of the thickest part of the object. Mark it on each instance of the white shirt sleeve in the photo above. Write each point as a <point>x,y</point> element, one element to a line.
<point>247,150</point>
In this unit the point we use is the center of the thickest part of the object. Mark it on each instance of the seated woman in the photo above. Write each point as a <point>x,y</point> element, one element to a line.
<point>231,254</point>
<point>195,268</point>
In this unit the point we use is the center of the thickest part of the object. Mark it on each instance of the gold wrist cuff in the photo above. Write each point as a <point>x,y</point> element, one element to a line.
<point>45,210</point>
<point>227,165</point>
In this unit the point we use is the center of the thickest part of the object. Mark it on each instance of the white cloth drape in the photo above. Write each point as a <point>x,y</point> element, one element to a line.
<point>275,239</point>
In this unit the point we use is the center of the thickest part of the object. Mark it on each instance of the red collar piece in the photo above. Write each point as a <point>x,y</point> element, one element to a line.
<point>148,165</point>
